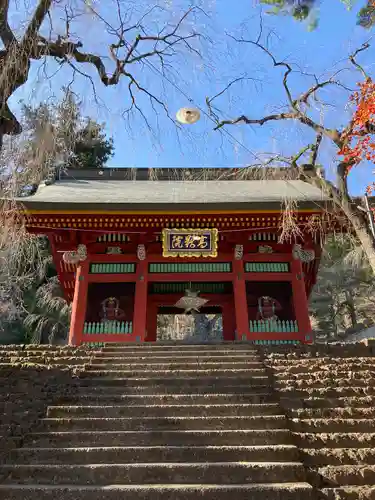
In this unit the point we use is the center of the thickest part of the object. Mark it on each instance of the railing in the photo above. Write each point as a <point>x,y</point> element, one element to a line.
<point>116,268</point>
<point>267,267</point>
<point>110,327</point>
<point>276,342</point>
<point>279,326</point>
<point>190,267</point>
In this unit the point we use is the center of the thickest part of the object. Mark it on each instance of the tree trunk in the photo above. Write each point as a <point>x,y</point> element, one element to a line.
<point>362,231</point>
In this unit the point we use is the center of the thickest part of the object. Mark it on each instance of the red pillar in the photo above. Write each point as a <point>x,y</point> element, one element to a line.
<point>140,302</point>
<point>240,300</point>
<point>79,304</point>
<point>300,302</point>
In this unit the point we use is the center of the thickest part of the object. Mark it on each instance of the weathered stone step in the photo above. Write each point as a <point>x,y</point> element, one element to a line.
<point>346,475</point>
<point>332,375</point>
<point>265,437</point>
<point>312,368</point>
<point>178,358</point>
<point>182,346</point>
<point>349,402</point>
<point>247,373</point>
<point>333,425</point>
<point>61,360</point>
<point>123,455</point>
<point>323,383</point>
<point>325,392</point>
<point>177,381</point>
<point>353,440</point>
<point>255,367</point>
<point>337,456</point>
<point>183,399</point>
<point>125,387</point>
<point>164,410</point>
<point>155,473</point>
<point>349,412</point>
<point>284,491</point>
<point>323,360</point>
<point>165,423</point>
<point>349,493</point>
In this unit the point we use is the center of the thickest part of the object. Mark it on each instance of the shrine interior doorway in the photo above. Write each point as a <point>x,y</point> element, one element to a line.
<point>205,326</point>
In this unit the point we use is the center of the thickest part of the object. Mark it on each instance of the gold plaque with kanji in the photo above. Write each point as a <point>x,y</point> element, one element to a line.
<point>190,242</point>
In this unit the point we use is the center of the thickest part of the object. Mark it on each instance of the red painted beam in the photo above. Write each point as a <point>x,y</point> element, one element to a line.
<point>268,276</point>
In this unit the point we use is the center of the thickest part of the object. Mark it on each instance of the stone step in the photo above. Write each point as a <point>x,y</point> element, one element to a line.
<point>325,392</point>
<point>176,381</point>
<point>182,346</point>
<point>312,403</point>
<point>94,398</point>
<point>332,425</point>
<point>200,410</point>
<point>324,360</point>
<point>337,456</point>
<point>324,383</point>
<point>349,493</point>
<point>164,423</point>
<point>62,360</point>
<point>125,387</point>
<point>244,373</point>
<point>317,375</point>
<point>348,412</point>
<point>313,368</point>
<point>353,440</point>
<point>276,491</point>
<point>259,437</point>
<point>154,473</point>
<point>348,475</point>
<point>178,358</point>
<point>183,366</point>
<point>123,455</point>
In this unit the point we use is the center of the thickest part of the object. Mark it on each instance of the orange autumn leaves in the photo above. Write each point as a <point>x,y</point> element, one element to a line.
<point>359,138</point>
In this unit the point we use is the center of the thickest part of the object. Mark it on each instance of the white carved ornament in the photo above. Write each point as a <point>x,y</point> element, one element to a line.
<point>238,252</point>
<point>141,252</point>
<point>75,256</point>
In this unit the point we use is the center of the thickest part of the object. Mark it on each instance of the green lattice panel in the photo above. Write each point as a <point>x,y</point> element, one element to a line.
<point>112,268</point>
<point>277,342</point>
<point>181,287</point>
<point>267,267</point>
<point>190,267</point>
<point>110,327</point>
<point>93,345</point>
<point>273,326</point>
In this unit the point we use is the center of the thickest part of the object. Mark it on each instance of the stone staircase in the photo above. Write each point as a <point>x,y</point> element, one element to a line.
<point>328,395</point>
<point>163,422</point>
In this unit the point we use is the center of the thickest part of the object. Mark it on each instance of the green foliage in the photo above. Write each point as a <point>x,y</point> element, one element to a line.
<point>33,308</point>
<point>306,10</point>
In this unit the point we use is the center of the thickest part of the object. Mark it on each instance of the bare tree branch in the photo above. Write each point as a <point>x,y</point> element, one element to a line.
<point>352,59</point>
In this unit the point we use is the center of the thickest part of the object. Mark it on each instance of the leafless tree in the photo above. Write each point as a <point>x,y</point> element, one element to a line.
<point>298,109</point>
<point>133,39</point>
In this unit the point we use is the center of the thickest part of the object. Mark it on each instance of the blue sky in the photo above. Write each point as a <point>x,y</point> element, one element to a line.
<point>192,79</point>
